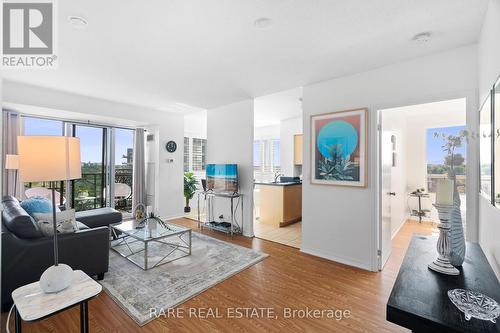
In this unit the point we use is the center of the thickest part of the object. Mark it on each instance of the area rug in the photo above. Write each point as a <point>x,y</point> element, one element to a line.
<point>137,291</point>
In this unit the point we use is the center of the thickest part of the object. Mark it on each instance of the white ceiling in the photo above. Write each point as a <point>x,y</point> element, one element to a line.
<point>272,109</point>
<point>172,54</point>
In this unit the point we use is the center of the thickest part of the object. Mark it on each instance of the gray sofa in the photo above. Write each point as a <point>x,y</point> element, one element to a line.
<point>26,253</point>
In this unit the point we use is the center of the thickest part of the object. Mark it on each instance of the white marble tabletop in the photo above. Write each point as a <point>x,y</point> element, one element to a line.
<point>33,304</point>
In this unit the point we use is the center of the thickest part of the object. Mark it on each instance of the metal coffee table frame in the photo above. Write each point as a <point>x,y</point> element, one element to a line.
<point>121,237</point>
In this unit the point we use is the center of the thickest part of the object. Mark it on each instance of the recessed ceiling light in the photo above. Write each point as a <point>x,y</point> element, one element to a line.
<point>77,22</point>
<point>263,22</point>
<point>423,37</point>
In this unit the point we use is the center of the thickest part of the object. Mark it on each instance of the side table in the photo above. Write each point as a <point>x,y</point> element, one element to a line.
<point>32,304</point>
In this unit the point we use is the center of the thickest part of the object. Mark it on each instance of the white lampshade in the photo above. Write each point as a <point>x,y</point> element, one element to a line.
<point>11,162</point>
<point>48,158</point>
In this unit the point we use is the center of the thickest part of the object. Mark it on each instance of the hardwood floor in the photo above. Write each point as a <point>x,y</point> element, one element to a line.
<point>287,278</point>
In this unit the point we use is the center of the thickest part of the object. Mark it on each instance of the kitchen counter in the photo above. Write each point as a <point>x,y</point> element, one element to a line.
<point>277,184</point>
<point>280,203</point>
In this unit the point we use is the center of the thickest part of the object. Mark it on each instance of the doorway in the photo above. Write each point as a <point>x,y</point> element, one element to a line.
<point>412,157</point>
<point>277,167</point>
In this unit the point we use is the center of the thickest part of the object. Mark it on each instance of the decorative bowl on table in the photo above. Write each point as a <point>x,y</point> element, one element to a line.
<point>475,305</point>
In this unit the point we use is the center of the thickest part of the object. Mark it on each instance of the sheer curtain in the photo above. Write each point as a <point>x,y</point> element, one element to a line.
<point>139,178</point>
<point>11,130</point>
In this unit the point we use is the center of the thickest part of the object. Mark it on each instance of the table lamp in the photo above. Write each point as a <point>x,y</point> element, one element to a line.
<point>50,158</point>
<point>12,163</point>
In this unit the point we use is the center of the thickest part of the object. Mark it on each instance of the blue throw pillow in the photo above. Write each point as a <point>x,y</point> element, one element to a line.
<point>36,205</point>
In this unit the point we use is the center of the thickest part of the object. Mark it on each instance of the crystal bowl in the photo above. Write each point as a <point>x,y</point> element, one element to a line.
<point>474,304</point>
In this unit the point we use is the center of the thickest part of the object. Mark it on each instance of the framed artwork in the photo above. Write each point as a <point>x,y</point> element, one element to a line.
<point>485,148</point>
<point>339,148</point>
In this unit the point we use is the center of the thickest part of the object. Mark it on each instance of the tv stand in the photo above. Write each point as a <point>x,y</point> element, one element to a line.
<point>231,226</point>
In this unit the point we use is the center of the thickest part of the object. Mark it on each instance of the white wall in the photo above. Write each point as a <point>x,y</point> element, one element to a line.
<point>230,134</point>
<point>288,128</point>
<point>340,223</point>
<point>195,125</point>
<point>489,70</point>
<point>168,167</point>
<point>166,126</point>
<point>267,132</point>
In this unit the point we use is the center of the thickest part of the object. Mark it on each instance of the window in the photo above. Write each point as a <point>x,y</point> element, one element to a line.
<point>266,159</point>
<point>195,156</point>
<point>124,164</point>
<point>186,154</point>
<point>440,161</point>
<point>88,192</point>
<point>199,154</point>
<point>93,188</point>
<point>39,126</point>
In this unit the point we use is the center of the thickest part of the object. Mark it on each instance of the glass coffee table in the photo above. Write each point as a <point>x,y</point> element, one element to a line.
<point>150,244</point>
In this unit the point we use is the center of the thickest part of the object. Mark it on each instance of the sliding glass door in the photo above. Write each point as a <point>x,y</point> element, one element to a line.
<point>107,165</point>
<point>88,192</point>
<point>123,169</point>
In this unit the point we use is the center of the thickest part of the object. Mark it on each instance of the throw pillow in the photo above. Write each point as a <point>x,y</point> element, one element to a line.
<point>36,205</point>
<point>65,221</point>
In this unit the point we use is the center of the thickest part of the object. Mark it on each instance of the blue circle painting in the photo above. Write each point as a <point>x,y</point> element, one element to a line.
<point>339,133</point>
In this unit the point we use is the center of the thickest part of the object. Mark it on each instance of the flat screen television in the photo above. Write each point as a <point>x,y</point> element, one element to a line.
<point>222,177</point>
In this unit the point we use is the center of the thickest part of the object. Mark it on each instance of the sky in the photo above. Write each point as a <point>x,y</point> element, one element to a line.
<point>90,138</point>
<point>435,154</point>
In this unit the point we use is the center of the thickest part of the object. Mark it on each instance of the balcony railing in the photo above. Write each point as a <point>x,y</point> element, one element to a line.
<point>88,191</point>
<point>433,178</point>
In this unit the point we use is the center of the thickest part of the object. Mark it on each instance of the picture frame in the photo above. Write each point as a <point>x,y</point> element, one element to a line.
<point>339,148</point>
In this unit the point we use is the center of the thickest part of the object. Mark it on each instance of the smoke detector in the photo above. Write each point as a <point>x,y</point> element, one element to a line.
<point>77,22</point>
<point>422,38</point>
<point>263,23</point>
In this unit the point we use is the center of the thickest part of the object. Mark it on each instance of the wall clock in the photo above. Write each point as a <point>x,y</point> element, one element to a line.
<point>171,146</point>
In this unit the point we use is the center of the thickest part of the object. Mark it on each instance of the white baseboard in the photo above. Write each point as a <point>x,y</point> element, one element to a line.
<point>174,217</point>
<point>339,259</point>
<point>399,228</point>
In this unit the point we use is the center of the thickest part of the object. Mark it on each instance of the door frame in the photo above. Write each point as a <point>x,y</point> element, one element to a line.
<point>472,124</point>
<point>380,194</point>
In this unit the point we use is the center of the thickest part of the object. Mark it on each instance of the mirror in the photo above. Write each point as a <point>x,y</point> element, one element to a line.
<point>485,129</point>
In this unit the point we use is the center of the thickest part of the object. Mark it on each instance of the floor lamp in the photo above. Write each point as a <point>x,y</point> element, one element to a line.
<point>52,159</point>
<point>12,163</point>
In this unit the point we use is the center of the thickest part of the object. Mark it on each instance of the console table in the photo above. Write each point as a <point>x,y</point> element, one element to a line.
<point>419,299</point>
<point>234,226</point>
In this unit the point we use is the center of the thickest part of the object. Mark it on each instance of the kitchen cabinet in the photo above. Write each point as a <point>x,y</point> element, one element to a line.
<point>280,204</point>
<point>298,151</point>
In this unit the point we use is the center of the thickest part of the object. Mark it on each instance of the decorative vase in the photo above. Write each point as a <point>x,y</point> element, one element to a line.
<point>457,238</point>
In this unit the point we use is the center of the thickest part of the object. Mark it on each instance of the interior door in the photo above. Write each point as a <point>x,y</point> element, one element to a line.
<point>385,243</point>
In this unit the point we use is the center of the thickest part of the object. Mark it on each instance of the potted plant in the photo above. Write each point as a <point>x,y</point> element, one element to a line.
<point>190,183</point>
